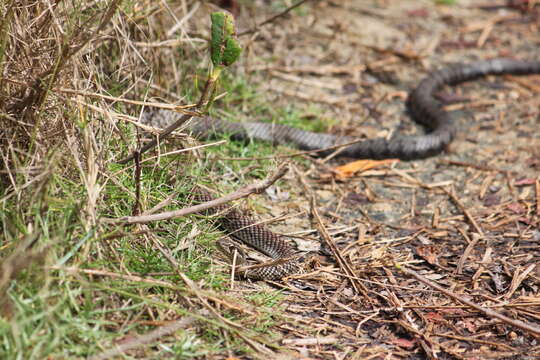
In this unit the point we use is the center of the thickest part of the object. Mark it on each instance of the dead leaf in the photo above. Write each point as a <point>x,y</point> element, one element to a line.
<point>435,317</point>
<point>345,171</point>
<point>516,208</point>
<point>428,253</point>
<point>525,182</point>
<point>404,343</point>
<point>469,325</point>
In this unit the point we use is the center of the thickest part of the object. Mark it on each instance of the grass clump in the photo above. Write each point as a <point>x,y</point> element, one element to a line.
<point>72,283</point>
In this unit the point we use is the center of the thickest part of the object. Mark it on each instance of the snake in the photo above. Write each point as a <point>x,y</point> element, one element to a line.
<point>423,107</point>
<point>249,231</point>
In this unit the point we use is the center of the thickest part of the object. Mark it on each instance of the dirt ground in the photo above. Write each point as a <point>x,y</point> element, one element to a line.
<point>466,219</point>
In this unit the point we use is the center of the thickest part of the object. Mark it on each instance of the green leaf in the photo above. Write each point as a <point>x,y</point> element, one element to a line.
<point>232,52</point>
<point>224,47</point>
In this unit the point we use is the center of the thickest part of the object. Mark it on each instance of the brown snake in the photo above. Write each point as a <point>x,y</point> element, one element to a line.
<point>423,106</point>
<point>246,230</point>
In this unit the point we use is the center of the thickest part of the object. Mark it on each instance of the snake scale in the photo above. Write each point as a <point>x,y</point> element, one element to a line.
<point>422,105</point>
<point>245,229</point>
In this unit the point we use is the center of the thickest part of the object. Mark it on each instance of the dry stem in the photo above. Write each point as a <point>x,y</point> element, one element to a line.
<point>256,188</point>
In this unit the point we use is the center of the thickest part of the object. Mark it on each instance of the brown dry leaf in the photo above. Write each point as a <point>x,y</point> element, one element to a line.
<point>516,208</point>
<point>345,171</point>
<point>469,325</point>
<point>378,253</point>
<point>434,317</point>
<point>404,343</point>
<point>525,182</point>
<point>428,253</point>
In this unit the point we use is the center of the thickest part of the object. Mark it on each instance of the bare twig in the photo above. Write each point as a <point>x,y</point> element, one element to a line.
<point>166,132</point>
<point>295,154</point>
<point>488,312</point>
<point>478,341</point>
<point>184,109</point>
<point>518,278</point>
<point>465,211</point>
<point>184,150</point>
<point>343,264</point>
<point>209,89</point>
<point>134,278</point>
<point>256,188</point>
<point>137,205</point>
<point>537,190</point>
<point>468,249</point>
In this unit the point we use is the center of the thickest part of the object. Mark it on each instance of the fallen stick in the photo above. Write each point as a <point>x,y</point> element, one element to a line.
<point>256,188</point>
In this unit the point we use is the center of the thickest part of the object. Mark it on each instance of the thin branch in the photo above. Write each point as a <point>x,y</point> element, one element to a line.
<point>537,190</point>
<point>137,205</point>
<point>342,263</point>
<point>184,150</point>
<point>209,88</point>
<point>133,278</point>
<point>256,188</point>
<point>295,154</point>
<point>473,166</point>
<point>465,211</point>
<point>488,312</point>
<point>168,130</point>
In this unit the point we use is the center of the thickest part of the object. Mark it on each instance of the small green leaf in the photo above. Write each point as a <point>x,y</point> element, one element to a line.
<point>224,47</point>
<point>232,52</point>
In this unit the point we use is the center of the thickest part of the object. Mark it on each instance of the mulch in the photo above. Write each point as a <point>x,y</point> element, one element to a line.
<point>466,220</point>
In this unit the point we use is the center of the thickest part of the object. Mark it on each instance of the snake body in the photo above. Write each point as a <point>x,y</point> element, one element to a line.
<point>422,105</point>
<point>247,230</point>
